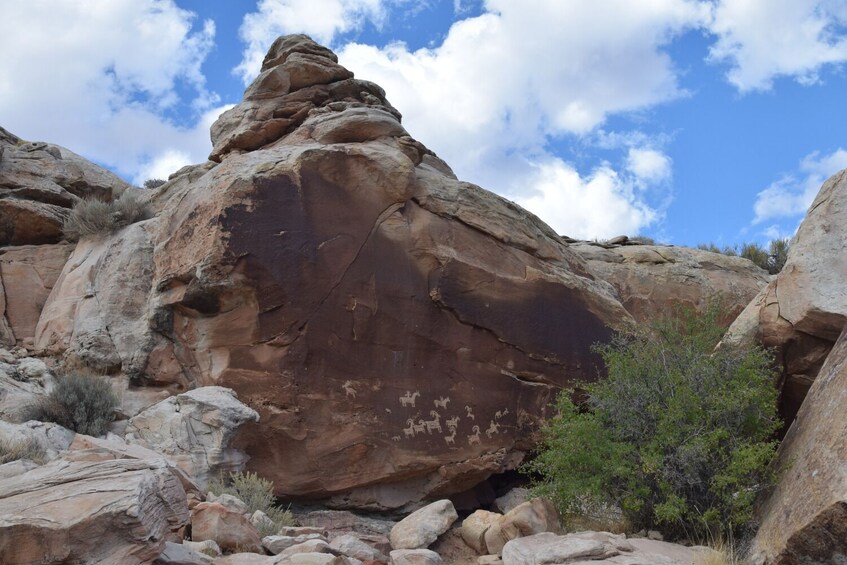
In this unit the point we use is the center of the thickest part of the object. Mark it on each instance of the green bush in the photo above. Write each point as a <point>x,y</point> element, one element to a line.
<point>678,435</point>
<point>257,493</point>
<point>154,183</point>
<point>81,403</point>
<point>91,216</point>
<point>772,260</point>
<point>12,450</point>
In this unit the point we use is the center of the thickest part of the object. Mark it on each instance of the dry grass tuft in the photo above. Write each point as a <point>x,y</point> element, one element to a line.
<point>91,216</point>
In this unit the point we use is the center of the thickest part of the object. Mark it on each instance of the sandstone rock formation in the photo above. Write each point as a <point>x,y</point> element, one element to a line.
<point>27,275</point>
<point>422,527</point>
<point>232,531</point>
<point>653,279</point>
<point>803,310</point>
<point>117,511</point>
<point>39,182</point>
<point>335,274</point>
<point>532,517</point>
<point>195,429</point>
<point>804,520</point>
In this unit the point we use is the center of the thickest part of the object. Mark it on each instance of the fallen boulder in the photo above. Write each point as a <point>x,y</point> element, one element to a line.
<point>422,527</point>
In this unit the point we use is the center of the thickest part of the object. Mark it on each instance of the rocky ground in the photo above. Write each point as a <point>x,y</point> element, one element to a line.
<point>324,303</point>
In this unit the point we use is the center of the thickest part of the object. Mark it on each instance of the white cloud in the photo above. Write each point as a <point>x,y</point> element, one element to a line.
<point>792,195</point>
<point>648,165</point>
<point>98,77</point>
<point>766,39</point>
<point>320,19</point>
<point>503,86</point>
<point>602,205</point>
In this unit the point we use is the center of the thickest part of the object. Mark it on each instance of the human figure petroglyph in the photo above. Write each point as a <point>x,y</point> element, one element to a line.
<point>409,398</point>
<point>474,437</point>
<point>452,423</point>
<point>470,412</point>
<point>442,402</point>
<point>451,438</point>
<point>493,428</point>
<point>349,390</point>
<point>435,423</point>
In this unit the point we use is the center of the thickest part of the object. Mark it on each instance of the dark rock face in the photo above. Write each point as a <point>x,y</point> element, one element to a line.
<point>401,333</point>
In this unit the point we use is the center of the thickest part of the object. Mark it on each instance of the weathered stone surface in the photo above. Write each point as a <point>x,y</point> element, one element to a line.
<point>803,310</point>
<point>308,546</point>
<point>593,547</point>
<point>22,383</point>
<point>511,499</point>
<point>230,530</point>
<point>27,275</point>
<point>335,273</point>
<point>475,526</point>
<point>206,547</point>
<point>195,429</point>
<point>532,517</point>
<point>39,182</point>
<point>415,557</point>
<point>117,511</point>
<point>278,544</point>
<point>233,503</point>
<point>53,438</point>
<point>804,520</point>
<point>179,554</point>
<point>653,279</point>
<point>351,546</point>
<point>422,527</point>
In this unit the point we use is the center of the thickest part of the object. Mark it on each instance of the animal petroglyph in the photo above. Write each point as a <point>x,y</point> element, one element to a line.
<point>434,424</point>
<point>442,402</point>
<point>409,398</point>
<point>349,390</point>
<point>410,431</point>
<point>474,437</point>
<point>452,423</point>
<point>396,438</point>
<point>451,438</point>
<point>420,427</point>
<point>493,428</point>
<point>470,412</point>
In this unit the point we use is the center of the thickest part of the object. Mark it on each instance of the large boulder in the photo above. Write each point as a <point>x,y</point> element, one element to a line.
<point>195,430</point>
<point>654,279</point>
<point>599,548</point>
<point>532,517</point>
<point>114,511</point>
<point>422,527</point>
<point>803,310</point>
<point>335,274</point>
<point>27,275</point>
<point>39,183</point>
<point>232,531</point>
<point>804,519</point>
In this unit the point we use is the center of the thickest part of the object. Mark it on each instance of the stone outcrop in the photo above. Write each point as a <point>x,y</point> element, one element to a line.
<point>39,183</point>
<point>195,430</point>
<point>804,520</point>
<point>27,275</point>
<point>232,531</point>
<point>803,310</point>
<point>335,274</point>
<point>652,280</point>
<point>532,517</point>
<point>115,511</point>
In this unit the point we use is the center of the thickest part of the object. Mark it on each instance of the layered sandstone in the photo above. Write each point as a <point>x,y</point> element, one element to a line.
<point>335,274</point>
<point>652,280</point>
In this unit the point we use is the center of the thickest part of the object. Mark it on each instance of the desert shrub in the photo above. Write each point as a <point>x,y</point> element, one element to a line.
<point>643,240</point>
<point>29,448</point>
<point>777,255</point>
<point>154,183</point>
<point>81,403</point>
<point>91,216</point>
<point>678,435</point>
<point>257,493</point>
<point>771,260</point>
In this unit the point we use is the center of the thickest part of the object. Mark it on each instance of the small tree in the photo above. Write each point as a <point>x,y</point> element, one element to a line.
<point>154,183</point>
<point>678,435</point>
<point>777,255</point>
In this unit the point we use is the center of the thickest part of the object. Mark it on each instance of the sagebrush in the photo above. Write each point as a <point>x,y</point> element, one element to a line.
<point>91,216</point>
<point>257,493</point>
<point>82,403</point>
<point>771,259</point>
<point>678,435</point>
<point>13,450</point>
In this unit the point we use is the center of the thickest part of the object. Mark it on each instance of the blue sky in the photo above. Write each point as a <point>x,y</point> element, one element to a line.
<point>686,120</point>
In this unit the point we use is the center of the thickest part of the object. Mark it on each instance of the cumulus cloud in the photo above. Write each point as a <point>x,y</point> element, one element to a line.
<point>648,165</point>
<point>765,39</point>
<point>101,77</point>
<point>320,19</point>
<point>602,204</point>
<point>792,195</point>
